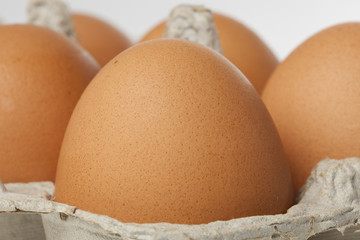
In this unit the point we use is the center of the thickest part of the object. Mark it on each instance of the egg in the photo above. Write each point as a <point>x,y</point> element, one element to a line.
<point>42,75</point>
<point>313,97</point>
<point>99,38</point>
<point>171,131</point>
<point>240,45</point>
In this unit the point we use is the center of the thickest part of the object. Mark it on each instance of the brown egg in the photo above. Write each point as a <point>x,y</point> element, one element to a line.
<point>170,131</point>
<point>241,46</point>
<point>313,97</point>
<point>100,39</point>
<point>42,75</point>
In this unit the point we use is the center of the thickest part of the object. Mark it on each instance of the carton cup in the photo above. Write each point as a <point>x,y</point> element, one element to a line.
<point>328,208</point>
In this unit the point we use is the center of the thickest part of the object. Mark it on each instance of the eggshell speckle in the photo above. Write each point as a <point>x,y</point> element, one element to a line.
<point>171,131</point>
<point>42,75</point>
<point>99,38</point>
<point>314,99</point>
<point>240,45</point>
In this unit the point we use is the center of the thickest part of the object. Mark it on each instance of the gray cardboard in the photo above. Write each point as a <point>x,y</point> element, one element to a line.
<point>328,208</point>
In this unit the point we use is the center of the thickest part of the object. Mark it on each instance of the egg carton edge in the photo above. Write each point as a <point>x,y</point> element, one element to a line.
<point>311,216</point>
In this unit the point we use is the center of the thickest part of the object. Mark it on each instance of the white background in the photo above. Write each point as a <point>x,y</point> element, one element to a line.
<point>282,24</point>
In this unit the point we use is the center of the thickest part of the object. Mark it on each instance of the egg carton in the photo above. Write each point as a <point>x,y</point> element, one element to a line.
<point>328,208</point>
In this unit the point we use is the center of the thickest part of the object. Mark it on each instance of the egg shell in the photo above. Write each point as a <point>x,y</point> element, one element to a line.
<point>26,212</point>
<point>42,75</point>
<point>314,97</point>
<point>171,131</point>
<point>240,45</point>
<point>99,38</point>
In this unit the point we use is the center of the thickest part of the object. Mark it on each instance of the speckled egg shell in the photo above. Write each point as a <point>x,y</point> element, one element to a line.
<point>314,99</point>
<point>240,45</point>
<point>42,75</point>
<point>170,131</point>
<point>99,38</point>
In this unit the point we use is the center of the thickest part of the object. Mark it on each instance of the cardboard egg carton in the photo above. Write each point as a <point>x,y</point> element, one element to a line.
<point>328,208</point>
